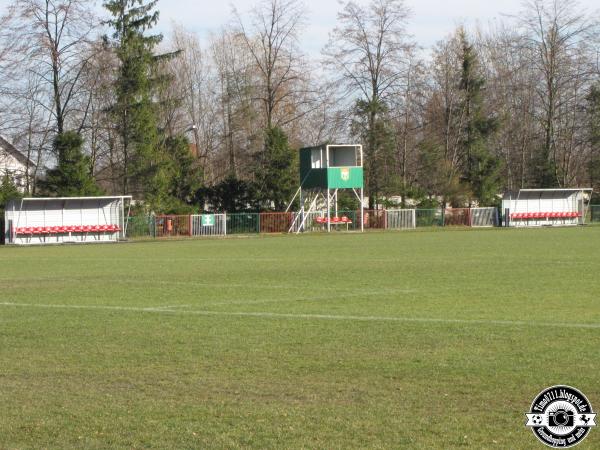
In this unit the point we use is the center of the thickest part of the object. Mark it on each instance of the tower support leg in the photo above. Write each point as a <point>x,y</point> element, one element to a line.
<point>328,212</point>
<point>362,211</point>
<point>301,210</point>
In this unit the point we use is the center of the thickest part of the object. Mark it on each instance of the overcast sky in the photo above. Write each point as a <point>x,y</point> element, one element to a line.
<point>431,20</point>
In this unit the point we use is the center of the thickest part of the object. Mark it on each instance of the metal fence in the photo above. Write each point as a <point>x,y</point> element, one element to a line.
<point>353,222</point>
<point>276,222</point>
<point>208,225</point>
<point>164,226</point>
<point>401,219</point>
<point>457,217</point>
<point>429,218</point>
<point>140,227</point>
<point>173,226</point>
<point>374,219</point>
<point>245,223</point>
<point>484,217</point>
<point>594,214</point>
<point>307,221</point>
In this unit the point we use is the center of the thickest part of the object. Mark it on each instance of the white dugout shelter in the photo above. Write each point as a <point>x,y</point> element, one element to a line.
<point>546,207</point>
<point>68,219</point>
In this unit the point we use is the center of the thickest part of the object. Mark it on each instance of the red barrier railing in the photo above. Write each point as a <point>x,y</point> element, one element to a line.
<point>374,219</point>
<point>276,222</point>
<point>171,226</point>
<point>457,216</point>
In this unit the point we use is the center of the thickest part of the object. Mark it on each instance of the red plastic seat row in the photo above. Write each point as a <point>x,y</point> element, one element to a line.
<point>68,229</point>
<point>545,215</point>
<point>342,219</point>
<point>334,220</point>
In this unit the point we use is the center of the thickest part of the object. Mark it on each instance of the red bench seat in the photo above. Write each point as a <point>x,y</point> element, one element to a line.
<point>545,215</point>
<point>112,228</point>
<point>334,220</point>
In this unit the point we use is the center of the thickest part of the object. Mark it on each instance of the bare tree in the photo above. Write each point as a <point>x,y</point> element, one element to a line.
<point>408,108</point>
<point>560,38</point>
<point>368,52</point>
<point>241,118</point>
<point>48,37</point>
<point>272,37</point>
<point>445,117</point>
<point>194,80</point>
<point>511,94</point>
<point>89,110</point>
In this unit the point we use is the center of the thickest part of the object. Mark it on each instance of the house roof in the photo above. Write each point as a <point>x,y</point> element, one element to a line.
<point>12,150</point>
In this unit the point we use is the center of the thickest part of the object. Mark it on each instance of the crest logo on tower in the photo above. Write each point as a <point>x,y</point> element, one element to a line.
<point>345,174</point>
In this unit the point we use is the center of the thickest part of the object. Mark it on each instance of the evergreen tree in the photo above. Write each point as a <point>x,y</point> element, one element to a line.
<point>185,176</point>
<point>482,172</point>
<point>275,173</point>
<point>134,112</point>
<point>371,124</point>
<point>231,195</point>
<point>8,191</point>
<point>71,177</point>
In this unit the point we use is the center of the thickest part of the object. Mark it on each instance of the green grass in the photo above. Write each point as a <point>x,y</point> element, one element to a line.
<point>381,340</point>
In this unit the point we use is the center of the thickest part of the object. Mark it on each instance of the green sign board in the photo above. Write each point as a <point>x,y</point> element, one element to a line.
<point>344,177</point>
<point>208,220</point>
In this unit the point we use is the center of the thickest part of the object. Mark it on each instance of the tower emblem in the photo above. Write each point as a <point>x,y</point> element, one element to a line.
<point>345,174</point>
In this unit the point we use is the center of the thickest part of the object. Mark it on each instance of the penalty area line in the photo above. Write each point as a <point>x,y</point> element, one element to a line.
<point>272,315</point>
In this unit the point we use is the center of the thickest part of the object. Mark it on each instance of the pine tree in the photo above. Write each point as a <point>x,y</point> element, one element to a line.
<point>370,123</point>
<point>71,177</point>
<point>8,191</point>
<point>185,175</point>
<point>231,195</point>
<point>482,171</point>
<point>275,172</point>
<point>134,112</point>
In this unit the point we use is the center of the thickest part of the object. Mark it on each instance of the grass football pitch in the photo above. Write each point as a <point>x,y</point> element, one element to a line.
<point>381,340</point>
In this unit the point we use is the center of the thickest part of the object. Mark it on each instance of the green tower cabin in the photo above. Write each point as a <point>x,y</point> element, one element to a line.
<point>324,170</point>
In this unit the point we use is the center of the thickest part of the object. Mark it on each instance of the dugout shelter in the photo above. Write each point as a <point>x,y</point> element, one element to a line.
<point>546,207</point>
<point>40,221</point>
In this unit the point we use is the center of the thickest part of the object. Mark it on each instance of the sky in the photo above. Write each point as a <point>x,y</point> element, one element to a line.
<point>431,20</point>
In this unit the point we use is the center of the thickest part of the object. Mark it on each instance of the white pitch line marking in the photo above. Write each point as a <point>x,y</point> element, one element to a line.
<point>310,316</point>
<point>168,307</point>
